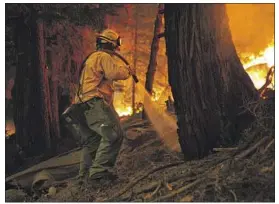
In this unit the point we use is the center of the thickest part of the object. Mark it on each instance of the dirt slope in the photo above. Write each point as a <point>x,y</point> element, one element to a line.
<point>148,171</point>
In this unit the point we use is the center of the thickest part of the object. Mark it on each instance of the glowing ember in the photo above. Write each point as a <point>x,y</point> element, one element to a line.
<point>249,60</point>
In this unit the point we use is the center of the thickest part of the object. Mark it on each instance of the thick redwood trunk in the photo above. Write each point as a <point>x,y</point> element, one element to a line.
<point>21,91</point>
<point>53,81</point>
<point>41,83</point>
<point>44,85</point>
<point>30,90</point>
<point>208,81</point>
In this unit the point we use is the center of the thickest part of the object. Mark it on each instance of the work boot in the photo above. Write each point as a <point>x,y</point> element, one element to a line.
<point>80,179</point>
<point>101,178</point>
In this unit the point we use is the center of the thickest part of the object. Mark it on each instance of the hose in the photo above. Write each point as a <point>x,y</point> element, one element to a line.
<point>124,60</point>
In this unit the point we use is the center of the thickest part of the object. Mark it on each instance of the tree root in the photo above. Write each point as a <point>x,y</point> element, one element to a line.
<point>134,182</point>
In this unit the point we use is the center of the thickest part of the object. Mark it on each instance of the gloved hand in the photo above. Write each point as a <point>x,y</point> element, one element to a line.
<point>132,70</point>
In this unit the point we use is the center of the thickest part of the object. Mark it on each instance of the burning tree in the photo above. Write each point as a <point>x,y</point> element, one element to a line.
<point>208,82</point>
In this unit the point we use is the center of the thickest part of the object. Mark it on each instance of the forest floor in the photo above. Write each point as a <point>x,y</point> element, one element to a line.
<point>149,172</point>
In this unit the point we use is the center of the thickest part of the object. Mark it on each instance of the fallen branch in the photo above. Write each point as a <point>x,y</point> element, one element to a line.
<point>224,149</point>
<point>146,188</point>
<point>269,144</point>
<point>150,195</point>
<point>134,182</point>
<point>234,195</point>
<point>153,185</point>
<point>248,151</point>
<point>175,192</point>
<point>268,81</point>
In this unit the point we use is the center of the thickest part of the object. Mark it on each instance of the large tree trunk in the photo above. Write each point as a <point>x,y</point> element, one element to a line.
<point>21,91</point>
<point>30,91</point>
<point>42,95</point>
<point>53,84</point>
<point>208,81</point>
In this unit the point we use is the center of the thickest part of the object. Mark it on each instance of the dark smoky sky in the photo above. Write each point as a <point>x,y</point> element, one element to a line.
<point>252,25</point>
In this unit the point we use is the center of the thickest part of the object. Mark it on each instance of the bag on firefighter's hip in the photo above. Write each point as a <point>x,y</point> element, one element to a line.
<point>73,122</point>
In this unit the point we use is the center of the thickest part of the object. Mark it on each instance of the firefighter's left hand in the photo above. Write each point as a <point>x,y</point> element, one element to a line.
<point>132,71</point>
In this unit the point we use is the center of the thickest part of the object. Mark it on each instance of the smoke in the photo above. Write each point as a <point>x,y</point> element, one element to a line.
<point>252,26</point>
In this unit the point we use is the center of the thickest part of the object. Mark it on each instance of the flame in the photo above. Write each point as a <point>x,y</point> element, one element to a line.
<point>249,60</point>
<point>156,93</point>
<point>264,57</point>
<point>256,65</point>
<point>10,128</point>
<point>258,77</point>
<point>124,111</point>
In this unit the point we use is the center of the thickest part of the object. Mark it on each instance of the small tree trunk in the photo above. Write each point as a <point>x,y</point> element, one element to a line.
<point>151,69</point>
<point>135,58</point>
<point>208,81</point>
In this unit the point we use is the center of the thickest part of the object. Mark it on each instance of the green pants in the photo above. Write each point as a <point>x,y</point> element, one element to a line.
<point>101,147</point>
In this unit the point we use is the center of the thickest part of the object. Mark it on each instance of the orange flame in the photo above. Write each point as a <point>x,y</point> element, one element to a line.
<point>10,128</point>
<point>124,110</point>
<point>258,76</point>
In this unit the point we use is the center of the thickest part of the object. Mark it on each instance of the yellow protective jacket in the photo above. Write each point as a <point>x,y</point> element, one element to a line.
<point>99,72</point>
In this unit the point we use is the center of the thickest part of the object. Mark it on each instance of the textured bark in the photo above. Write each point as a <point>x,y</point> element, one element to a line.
<point>53,81</point>
<point>44,84</point>
<point>208,81</point>
<point>151,69</point>
<point>31,90</point>
<point>21,90</point>
<point>135,59</point>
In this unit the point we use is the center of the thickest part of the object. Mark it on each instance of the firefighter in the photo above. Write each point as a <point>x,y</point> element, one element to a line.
<point>100,129</point>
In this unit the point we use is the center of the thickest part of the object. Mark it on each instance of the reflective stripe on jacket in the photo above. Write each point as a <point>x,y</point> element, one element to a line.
<point>96,80</point>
